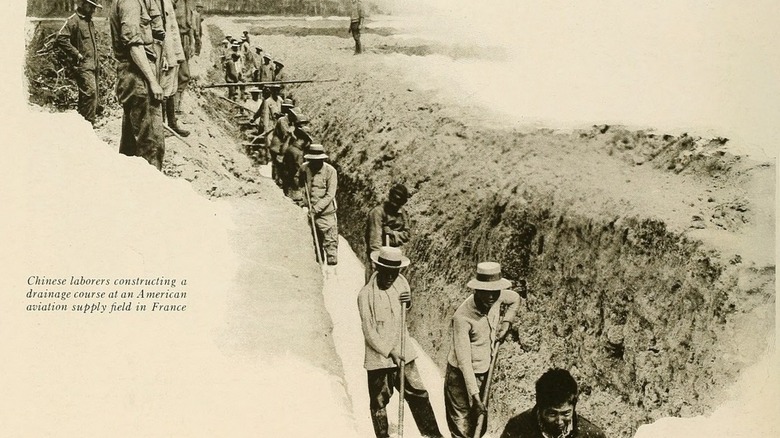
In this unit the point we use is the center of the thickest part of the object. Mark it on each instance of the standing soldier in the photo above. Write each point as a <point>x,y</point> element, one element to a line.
<point>77,39</point>
<point>136,35</point>
<point>321,180</point>
<point>379,304</point>
<point>356,23</point>
<point>387,224</point>
<point>186,32</point>
<point>477,327</point>
<point>197,18</point>
<point>173,56</point>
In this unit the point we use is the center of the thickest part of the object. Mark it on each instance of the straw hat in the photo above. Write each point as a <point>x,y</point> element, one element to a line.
<point>489,277</point>
<point>389,257</point>
<point>316,152</point>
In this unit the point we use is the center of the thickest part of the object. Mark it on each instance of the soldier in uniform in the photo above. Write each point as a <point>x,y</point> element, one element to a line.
<point>77,39</point>
<point>137,33</point>
<point>197,19</point>
<point>186,32</point>
<point>173,57</point>
<point>356,24</point>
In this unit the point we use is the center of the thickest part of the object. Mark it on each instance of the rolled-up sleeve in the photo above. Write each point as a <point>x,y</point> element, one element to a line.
<point>131,33</point>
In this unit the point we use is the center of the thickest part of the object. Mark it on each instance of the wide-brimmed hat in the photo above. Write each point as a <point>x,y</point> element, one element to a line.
<point>288,103</point>
<point>254,90</point>
<point>279,63</point>
<point>489,277</point>
<point>389,257</point>
<point>316,152</point>
<point>96,3</point>
<point>266,55</point>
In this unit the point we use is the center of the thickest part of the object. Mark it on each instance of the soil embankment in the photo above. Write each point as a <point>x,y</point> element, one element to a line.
<point>646,259</point>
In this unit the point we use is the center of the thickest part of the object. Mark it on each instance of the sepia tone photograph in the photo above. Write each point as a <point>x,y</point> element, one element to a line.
<point>389,218</point>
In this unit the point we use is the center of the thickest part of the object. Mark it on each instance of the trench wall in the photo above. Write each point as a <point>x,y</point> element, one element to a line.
<point>638,312</point>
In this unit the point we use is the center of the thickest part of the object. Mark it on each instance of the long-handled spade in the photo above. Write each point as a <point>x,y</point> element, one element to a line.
<point>313,225</point>
<point>486,394</point>
<point>402,377</point>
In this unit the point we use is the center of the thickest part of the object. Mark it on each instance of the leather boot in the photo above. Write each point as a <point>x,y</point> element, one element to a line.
<point>171,115</point>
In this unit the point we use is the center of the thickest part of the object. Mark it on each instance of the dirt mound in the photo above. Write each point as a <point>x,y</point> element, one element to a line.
<point>650,320</point>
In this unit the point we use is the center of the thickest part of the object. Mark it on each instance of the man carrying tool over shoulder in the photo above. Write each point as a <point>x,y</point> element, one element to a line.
<point>320,180</point>
<point>137,33</point>
<point>477,327</point>
<point>77,39</point>
<point>379,304</point>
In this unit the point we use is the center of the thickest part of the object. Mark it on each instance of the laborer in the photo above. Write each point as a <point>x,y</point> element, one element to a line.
<point>173,57</point>
<point>292,162</point>
<point>321,180</point>
<point>186,33</point>
<point>136,35</point>
<point>555,413</point>
<point>279,76</point>
<point>265,72</point>
<point>388,223</point>
<point>356,23</point>
<point>77,39</point>
<point>379,304</point>
<point>280,137</point>
<point>476,327</point>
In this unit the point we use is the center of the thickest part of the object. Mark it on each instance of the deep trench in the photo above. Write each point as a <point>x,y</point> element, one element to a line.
<point>634,309</point>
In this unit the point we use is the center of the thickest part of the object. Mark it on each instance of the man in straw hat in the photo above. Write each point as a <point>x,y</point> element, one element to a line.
<point>477,326</point>
<point>379,304</point>
<point>77,39</point>
<point>321,181</point>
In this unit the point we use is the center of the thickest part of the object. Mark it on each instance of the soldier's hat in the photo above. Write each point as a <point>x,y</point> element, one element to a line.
<point>316,152</point>
<point>489,277</point>
<point>279,63</point>
<point>96,3</point>
<point>389,257</point>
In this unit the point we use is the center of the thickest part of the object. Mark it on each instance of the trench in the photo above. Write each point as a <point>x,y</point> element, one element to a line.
<point>649,320</point>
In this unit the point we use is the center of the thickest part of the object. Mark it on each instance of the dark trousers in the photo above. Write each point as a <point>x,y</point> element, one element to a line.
<point>142,130</point>
<point>380,388</point>
<point>461,419</point>
<point>88,94</point>
<point>354,28</point>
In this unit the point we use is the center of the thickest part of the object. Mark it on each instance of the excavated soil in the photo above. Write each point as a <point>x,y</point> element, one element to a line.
<point>645,259</point>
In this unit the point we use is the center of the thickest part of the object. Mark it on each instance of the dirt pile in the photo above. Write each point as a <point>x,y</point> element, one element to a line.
<point>593,227</point>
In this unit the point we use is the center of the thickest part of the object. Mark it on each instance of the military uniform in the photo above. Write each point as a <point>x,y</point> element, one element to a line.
<point>356,23</point>
<point>77,39</point>
<point>138,23</point>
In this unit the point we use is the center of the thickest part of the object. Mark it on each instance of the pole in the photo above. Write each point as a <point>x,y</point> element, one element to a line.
<point>259,84</point>
<point>313,225</point>
<point>236,104</point>
<point>402,377</point>
<point>486,395</point>
<point>175,134</point>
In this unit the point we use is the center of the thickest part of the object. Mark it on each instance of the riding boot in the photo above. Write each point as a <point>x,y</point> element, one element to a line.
<point>171,114</point>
